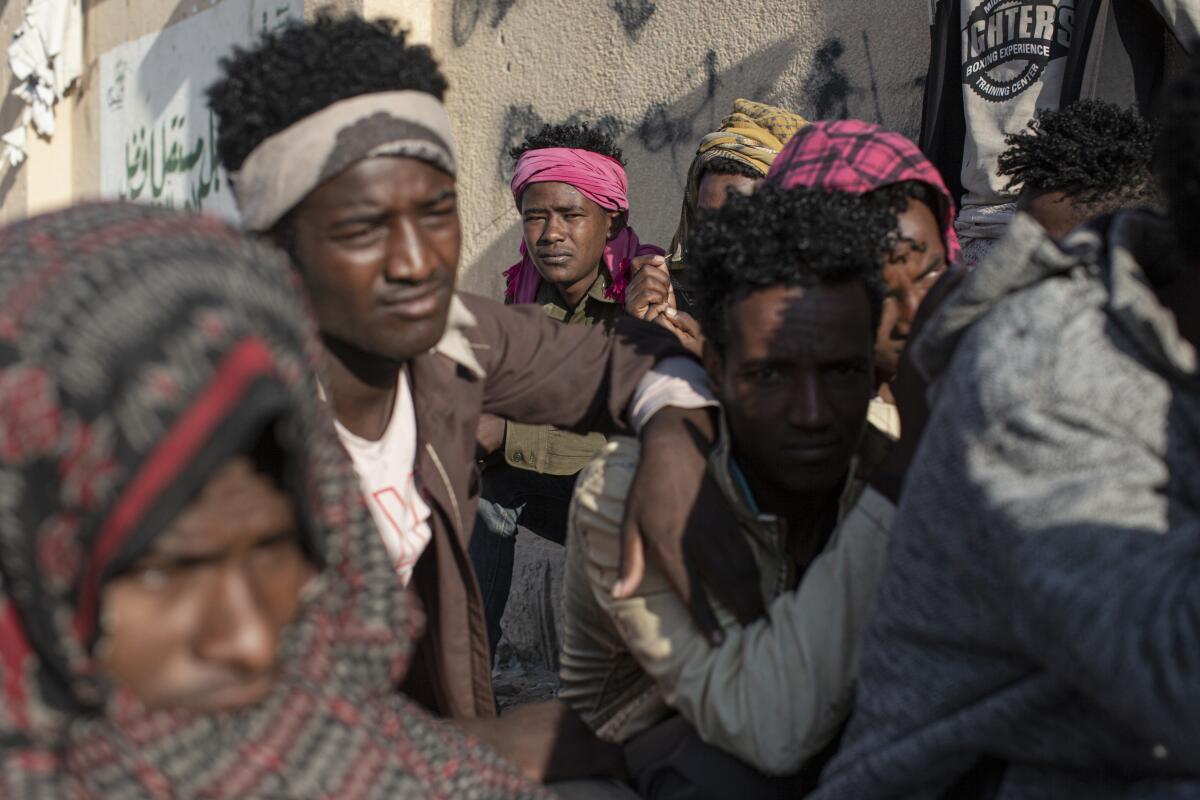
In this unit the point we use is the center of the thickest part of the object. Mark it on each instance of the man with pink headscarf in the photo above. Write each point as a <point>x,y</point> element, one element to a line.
<point>570,188</point>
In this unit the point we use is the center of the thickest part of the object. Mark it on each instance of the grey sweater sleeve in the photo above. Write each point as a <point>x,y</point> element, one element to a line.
<point>1102,562</point>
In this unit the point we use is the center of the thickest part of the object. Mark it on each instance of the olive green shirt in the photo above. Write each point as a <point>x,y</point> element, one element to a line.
<point>544,448</point>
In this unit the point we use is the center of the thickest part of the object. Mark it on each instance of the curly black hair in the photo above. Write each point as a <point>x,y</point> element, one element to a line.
<point>579,136</point>
<point>304,67</point>
<point>897,196</point>
<point>1179,157</point>
<point>786,237</point>
<point>1099,154</point>
<point>729,166</point>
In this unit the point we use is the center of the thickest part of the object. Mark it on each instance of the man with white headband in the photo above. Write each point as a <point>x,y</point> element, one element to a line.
<point>339,149</point>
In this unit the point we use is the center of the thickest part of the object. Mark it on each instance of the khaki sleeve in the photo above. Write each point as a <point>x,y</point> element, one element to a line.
<point>772,694</point>
<point>549,450</point>
<point>523,444</point>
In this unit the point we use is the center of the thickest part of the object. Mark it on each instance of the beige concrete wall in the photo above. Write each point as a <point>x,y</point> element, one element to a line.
<point>65,168</point>
<point>311,7</point>
<point>48,167</point>
<point>417,15</point>
<point>658,73</point>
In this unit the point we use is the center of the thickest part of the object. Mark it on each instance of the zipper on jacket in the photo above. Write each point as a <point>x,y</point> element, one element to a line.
<point>437,462</point>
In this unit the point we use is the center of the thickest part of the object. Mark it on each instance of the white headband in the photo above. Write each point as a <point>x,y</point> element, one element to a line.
<point>284,168</point>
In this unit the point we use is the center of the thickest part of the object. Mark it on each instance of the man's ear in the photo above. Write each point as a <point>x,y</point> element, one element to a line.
<point>616,223</point>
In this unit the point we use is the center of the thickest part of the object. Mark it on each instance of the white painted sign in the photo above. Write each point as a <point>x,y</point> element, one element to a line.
<point>157,136</point>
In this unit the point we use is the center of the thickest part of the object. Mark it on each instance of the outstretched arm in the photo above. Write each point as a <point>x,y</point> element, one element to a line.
<point>541,372</point>
<point>639,378</point>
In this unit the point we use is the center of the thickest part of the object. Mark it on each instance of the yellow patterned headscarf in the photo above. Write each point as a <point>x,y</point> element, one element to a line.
<point>753,134</point>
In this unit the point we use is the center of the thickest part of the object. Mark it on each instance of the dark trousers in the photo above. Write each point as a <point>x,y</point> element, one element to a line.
<point>512,497</point>
<point>671,762</point>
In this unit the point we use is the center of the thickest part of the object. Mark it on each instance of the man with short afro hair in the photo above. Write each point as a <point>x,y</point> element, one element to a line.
<point>1088,159</point>
<point>302,69</point>
<point>995,63</point>
<point>340,149</point>
<point>789,295</point>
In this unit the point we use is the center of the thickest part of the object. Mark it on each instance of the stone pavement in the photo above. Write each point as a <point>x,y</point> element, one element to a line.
<point>526,668</point>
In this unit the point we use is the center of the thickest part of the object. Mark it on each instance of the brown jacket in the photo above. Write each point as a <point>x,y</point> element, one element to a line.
<point>516,363</point>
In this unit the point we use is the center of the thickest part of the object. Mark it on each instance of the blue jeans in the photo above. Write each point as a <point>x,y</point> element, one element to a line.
<point>512,497</point>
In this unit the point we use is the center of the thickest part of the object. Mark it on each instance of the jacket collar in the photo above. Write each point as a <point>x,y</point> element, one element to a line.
<point>726,474</point>
<point>1127,253</point>
<point>1140,256</point>
<point>736,490</point>
<point>552,302</point>
<point>454,343</point>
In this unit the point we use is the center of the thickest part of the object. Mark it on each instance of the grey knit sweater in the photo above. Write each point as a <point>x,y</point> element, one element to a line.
<point>1037,628</point>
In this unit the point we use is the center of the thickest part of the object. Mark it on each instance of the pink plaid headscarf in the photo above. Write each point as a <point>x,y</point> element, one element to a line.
<point>858,157</point>
<point>599,178</point>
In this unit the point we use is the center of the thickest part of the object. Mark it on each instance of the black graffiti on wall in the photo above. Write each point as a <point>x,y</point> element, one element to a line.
<point>465,14</point>
<point>675,125</point>
<point>830,93</point>
<point>828,87</point>
<point>871,74</point>
<point>662,128</point>
<point>634,14</point>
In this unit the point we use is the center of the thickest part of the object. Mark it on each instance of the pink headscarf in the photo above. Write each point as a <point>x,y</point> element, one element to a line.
<point>857,157</point>
<point>599,178</point>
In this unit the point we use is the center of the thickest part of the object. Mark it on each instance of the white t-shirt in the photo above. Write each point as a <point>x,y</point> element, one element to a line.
<point>385,471</point>
<point>386,467</point>
<point>1014,56</point>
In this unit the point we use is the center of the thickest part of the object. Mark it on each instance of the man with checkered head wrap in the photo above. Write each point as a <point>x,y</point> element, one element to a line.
<point>1034,632</point>
<point>340,150</point>
<point>859,157</point>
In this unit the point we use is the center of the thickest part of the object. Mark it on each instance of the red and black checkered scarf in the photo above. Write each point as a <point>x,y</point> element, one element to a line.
<point>139,349</point>
<point>852,156</point>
